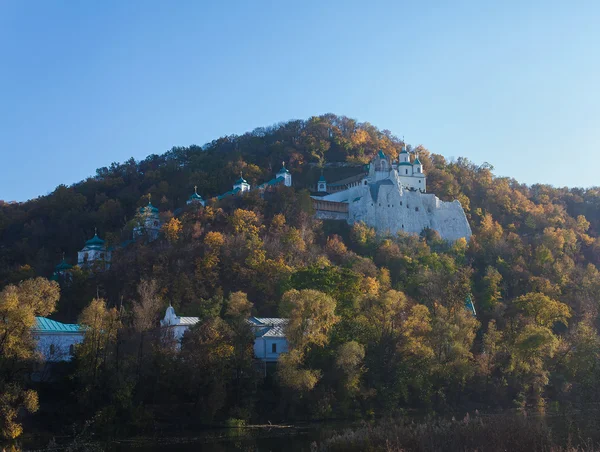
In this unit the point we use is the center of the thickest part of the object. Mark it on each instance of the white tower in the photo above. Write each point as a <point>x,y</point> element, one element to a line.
<point>148,222</point>
<point>322,184</point>
<point>419,175</point>
<point>287,177</point>
<point>94,254</point>
<point>241,184</point>
<point>405,168</point>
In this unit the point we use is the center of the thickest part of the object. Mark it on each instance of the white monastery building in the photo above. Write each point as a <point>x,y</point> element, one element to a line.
<point>56,341</point>
<point>269,334</point>
<point>94,254</point>
<point>392,198</point>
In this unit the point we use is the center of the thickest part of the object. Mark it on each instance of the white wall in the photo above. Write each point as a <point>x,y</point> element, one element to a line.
<point>263,347</point>
<point>402,210</point>
<point>58,343</point>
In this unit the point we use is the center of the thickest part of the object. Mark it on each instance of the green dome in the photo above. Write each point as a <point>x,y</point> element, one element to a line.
<point>149,208</point>
<point>283,170</point>
<point>241,180</point>
<point>63,266</point>
<point>95,243</point>
<point>322,178</point>
<point>417,161</point>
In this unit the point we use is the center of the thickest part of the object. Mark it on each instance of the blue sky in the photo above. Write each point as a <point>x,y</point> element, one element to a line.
<point>84,84</point>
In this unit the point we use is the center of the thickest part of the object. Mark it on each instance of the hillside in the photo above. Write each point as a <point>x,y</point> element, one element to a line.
<point>401,337</point>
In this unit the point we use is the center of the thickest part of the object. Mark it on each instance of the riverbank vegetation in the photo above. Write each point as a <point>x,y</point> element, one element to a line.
<point>378,323</point>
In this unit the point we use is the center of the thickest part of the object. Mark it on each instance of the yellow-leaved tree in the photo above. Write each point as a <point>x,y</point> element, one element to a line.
<point>19,306</point>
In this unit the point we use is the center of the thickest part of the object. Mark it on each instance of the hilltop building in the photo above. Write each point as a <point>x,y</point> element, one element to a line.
<point>62,271</point>
<point>94,254</point>
<point>391,197</point>
<point>195,198</point>
<point>149,223</point>
<point>269,334</point>
<point>283,177</point>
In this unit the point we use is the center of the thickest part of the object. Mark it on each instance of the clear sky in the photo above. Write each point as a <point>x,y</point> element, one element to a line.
<point>84,84</point>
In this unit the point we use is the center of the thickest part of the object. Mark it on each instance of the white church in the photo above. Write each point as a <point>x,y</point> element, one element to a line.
<point>392,197</point>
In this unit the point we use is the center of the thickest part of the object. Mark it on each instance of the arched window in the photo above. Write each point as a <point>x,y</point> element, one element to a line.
<point>273,348</point>
<point>71,350</point>
<point>406,171</point>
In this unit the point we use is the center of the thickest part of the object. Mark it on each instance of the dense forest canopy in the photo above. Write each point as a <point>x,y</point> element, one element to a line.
<point>389,330</point>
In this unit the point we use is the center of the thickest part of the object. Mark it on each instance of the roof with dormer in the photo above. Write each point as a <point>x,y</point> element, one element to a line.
<point>268,326</point>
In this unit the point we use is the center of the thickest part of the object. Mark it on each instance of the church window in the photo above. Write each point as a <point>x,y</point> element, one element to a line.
<point>419,180</point>
<point>85,257</point>
<point>416,209</point>
<point>405,171</point>
<point>400,203</point>
<point>402,226</point>
<point>379,204</point>
<point>273,348</point>
<point>71,349</point>
<point>365,182</point>
<point>52,349</point>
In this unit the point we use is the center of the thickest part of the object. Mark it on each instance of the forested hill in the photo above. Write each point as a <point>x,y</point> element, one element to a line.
<point>36,233</point>
<point>390,328</point>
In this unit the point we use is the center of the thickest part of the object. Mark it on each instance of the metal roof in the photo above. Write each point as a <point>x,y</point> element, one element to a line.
<point>188,320</point>
<point>268,326</point>
<point>276,181</point>
<point>44,325</point>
